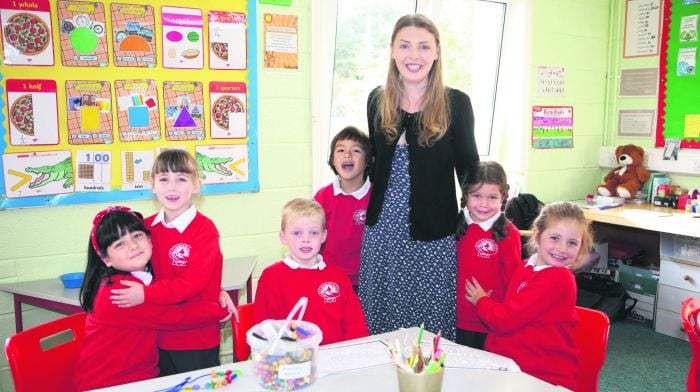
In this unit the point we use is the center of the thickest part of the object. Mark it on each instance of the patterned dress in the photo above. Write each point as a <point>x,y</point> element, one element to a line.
<point>403,282</point>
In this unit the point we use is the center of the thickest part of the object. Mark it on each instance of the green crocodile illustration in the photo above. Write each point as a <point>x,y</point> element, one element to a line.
<point>48,173</point>
<point>213,165</point>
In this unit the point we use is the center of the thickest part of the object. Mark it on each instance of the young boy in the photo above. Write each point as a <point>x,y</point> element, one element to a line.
<point>333,305</point>
<point>345,200</point>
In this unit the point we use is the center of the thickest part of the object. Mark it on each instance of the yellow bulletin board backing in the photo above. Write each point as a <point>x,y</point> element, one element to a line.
<point>92,91</point>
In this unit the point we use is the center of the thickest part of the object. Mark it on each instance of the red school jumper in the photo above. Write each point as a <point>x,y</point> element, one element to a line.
<point>534,325</point>
<point>333,305</point>
<point>345,222</point>
<point>187,266</point>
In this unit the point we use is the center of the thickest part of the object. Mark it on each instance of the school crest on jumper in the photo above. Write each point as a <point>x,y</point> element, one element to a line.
<point>329,291</point>
<point>486,247</point>
<point>179,254</point>
<point>360,216</point>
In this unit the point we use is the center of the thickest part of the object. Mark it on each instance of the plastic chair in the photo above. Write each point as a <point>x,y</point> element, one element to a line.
<point>591,336</point>
<point>42,358</point>
<point>690,311</point>
<point>241,349</point>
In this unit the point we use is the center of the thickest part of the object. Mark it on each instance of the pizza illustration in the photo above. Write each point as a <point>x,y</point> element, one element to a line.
<point>27,33</point>
<point>22,114</point>
<point>224,105</point>
<point>220,49</point>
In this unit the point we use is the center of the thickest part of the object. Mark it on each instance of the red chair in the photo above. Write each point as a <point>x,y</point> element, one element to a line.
<point>42,358</point>
<point>591,336</point>
<point>241,349</point>
<point>690,310</point>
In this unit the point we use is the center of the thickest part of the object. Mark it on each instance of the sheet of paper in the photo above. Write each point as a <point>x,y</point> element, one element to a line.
<point>465,357</point>
<point>352,357</point>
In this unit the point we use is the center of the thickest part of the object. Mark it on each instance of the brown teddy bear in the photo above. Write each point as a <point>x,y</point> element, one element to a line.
<point>629,177</point>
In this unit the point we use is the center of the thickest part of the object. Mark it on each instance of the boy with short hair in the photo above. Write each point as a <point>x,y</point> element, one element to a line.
<point>333,304</point>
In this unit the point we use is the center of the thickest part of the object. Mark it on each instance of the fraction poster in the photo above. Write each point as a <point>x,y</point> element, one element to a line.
<point>38,173</point>
<point>137,110</point>
<point>133,35</point>
<point>26,37</point>
<point>228,110</point>
<point>83,34</point>
<point>136,169</point>
<point>28,124</point>
<point>93,171</point>
<point>184,106</point>
<point>183,45</point>
<point>223,163</point>
<point>89,104</point>
<point>227,40</point>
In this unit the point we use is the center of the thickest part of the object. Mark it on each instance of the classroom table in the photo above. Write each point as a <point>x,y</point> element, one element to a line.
<point>380,377</point>
<point>50,293</point>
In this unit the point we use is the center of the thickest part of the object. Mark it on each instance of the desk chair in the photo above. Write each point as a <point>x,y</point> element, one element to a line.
<point>591,337</point>
<point>241,349</point>
<point>42,358</point>
<point>690,313</point>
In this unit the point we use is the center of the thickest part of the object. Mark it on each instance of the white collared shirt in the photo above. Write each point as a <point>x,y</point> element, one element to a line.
<point>358,194</point>
<point>293,264</point>
<point>533,262</point>
<point>180,223</point>
<point>485,225</point>
<point>143,276</point>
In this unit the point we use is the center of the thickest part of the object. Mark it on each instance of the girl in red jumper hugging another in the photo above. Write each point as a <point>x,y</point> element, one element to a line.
<point>534,324</point>
<point>120,251</point>
<point>488,247</point>
<point>333,304</point>
<point>187,263</point>
<point>345,201</point>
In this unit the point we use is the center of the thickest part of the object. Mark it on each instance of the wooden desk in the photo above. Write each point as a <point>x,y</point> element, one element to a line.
<point>50,293</point>
<point>377,378</point>
<point>647,217</point>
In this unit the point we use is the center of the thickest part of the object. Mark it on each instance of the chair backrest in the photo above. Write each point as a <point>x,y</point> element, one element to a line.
<point>42,358</point>
<point>241,349</point>
<point>591,336</point>
<point>690,312</point>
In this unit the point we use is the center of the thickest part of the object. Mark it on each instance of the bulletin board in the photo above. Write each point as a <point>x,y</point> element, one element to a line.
<point>679,81</point>
<point>92,91</point>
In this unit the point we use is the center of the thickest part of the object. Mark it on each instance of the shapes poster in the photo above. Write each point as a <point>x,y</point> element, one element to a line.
<point>38,173</point>
<point>134,41</point>
<point>184,110</point>
<point>27,125</point>
<point>228,110</point>
<point>227,40</point>
<point>93,171</point>
<point>137,110</point>
<point>183,30</point>
<point>89,104</point>
<point>83,34</point>
<point>26,32</point>
<point>222,163</point>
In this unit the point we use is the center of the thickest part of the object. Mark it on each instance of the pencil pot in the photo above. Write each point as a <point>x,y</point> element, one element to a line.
<point>420,382</point>
<point>284,352</point>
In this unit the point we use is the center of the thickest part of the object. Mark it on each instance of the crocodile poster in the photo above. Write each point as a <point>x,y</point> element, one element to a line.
<point>38,173</point>
<point>28,125</point>
<point>222,163</point>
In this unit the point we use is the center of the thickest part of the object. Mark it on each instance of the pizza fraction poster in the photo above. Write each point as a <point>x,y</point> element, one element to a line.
<point>55,128</point>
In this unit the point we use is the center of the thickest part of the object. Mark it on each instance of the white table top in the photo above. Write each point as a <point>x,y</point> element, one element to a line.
<point>377,378</point>
<point>236,272</point>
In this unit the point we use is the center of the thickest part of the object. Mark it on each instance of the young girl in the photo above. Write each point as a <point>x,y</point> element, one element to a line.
<point>120,251</point>
<point>534,324</point>
<point>187,263</point>
<point>488,247</point>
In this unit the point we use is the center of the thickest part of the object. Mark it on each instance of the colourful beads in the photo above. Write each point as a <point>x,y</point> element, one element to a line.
<point>286,372</point>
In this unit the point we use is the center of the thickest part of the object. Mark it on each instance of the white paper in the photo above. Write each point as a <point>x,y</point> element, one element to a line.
<point>352,357</point>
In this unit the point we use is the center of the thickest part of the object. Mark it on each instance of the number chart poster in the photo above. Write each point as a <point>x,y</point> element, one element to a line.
<point>130,80</point>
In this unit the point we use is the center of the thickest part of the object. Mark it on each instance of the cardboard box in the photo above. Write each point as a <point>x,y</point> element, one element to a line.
<point>639,280</point>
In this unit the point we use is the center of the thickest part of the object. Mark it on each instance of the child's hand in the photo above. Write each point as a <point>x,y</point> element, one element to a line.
<point>126,298</point>
<point>474,291</point>
<point>226,302</point>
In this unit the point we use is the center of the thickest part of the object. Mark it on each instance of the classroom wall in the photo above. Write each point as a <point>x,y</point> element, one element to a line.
<point>42,243</point>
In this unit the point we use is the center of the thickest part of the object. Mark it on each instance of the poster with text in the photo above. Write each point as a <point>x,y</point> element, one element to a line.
<point>133,35</point>
<point>89,104</point>
<point>228,110</point>
<point>137,110</point>
<point>26,32</point>
<point>552,126</point>
<point>136,170</point>
<point>32,112</point>
<point>227,40</point>
<point>281,41</point>
<point>183,45</point>
<point>184,110</point>
<point>38,173</point>
<point>93,171</point>
<point>83,34</point>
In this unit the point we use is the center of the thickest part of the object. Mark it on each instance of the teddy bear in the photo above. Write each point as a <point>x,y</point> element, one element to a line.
<point>629,177</point>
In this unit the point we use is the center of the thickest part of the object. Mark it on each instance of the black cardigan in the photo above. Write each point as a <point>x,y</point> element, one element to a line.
<point>432,202</point>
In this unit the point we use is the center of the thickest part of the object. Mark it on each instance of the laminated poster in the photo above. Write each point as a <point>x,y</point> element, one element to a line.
<point>689,28</point>
<point>29,126</point>
<point>89,105</point>
<point>134,41</point>
<point>686,61</point>
<point>183,45</point>
<point>38,173</point>
<point>137,110</point>
<point>228,110</point>
<point>221,164</point>
<point>184,110</point>
<point>93,171</point>
<point>227,40</point>
<point>26,32</point>
<point>552,126</point>
<point>281,41</point>
<point>136,169</point>
<point>83,34</point>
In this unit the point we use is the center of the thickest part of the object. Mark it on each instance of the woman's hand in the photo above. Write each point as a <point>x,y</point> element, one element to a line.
<point>474,291</point>
<point>226,302</point>
<point>126,298</point>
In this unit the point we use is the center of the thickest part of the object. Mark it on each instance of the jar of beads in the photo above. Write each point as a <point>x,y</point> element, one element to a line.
<point>284,352</point>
